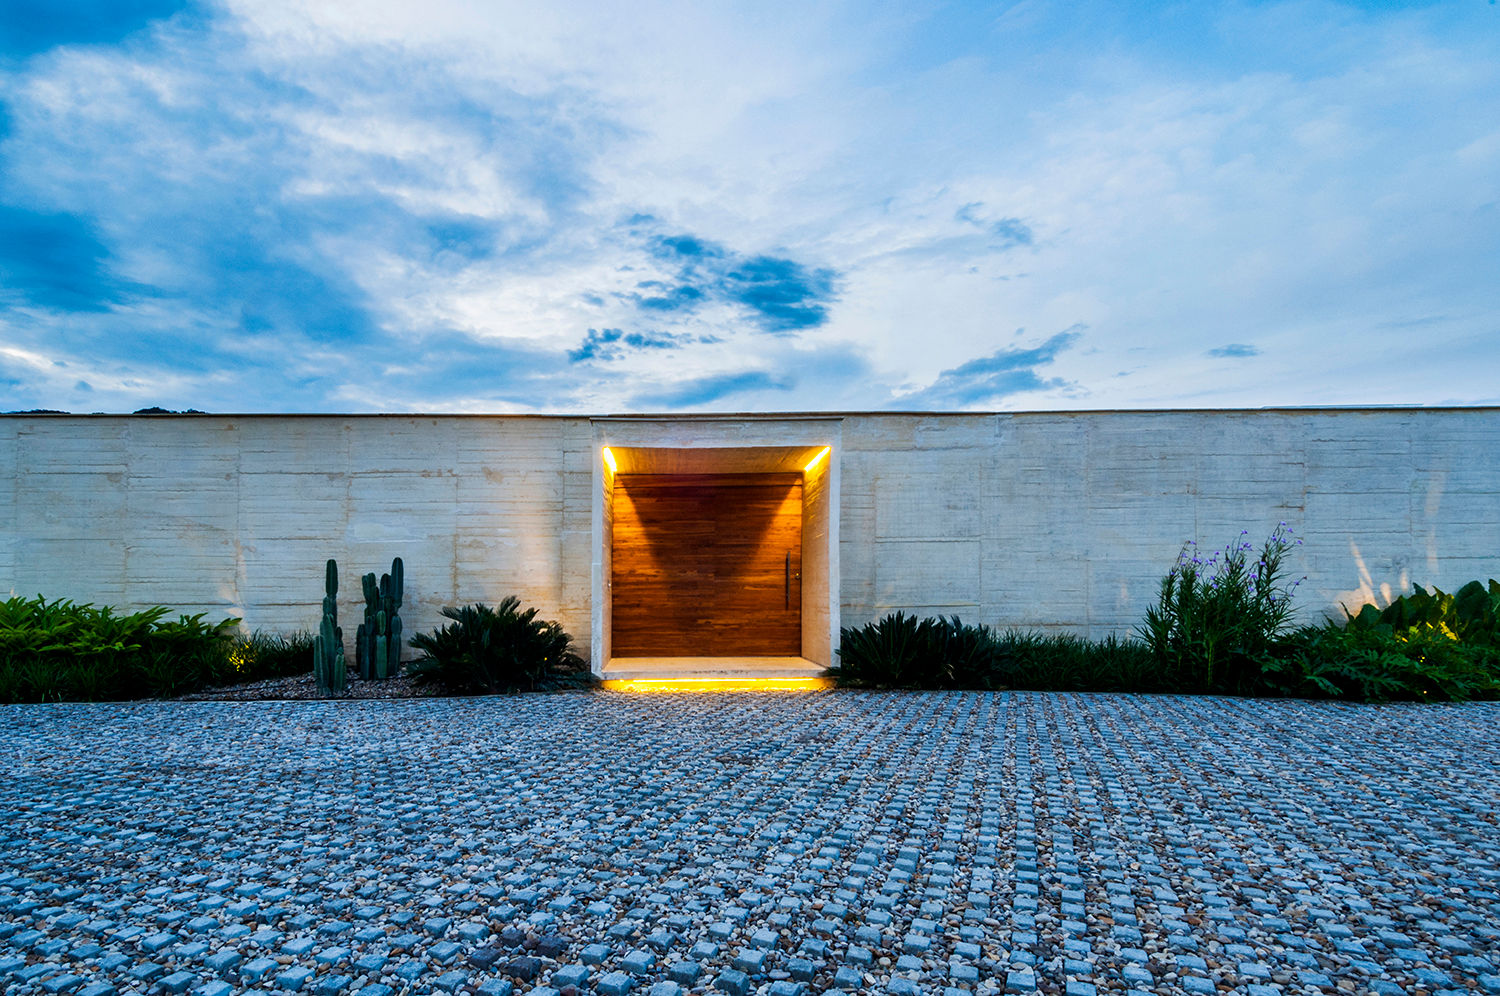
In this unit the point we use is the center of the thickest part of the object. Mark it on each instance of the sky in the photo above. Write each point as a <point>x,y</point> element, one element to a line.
<point>310,206</point>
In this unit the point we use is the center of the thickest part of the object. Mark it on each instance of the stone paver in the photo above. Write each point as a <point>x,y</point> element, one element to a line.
<point>751,843</point>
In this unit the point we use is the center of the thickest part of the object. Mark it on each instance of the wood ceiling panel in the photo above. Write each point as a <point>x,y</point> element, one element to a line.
<point>713,459</point>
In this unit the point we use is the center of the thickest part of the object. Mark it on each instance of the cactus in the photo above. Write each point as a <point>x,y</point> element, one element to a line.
<point>328,645</point>
<point>378,639</point>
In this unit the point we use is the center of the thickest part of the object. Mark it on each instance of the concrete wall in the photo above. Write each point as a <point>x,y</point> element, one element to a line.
<point>236,516</point>
<point>1066,522</point>
<point>1058,521</point>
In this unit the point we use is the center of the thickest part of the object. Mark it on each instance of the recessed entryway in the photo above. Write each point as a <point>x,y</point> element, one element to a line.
<point>715,561</point>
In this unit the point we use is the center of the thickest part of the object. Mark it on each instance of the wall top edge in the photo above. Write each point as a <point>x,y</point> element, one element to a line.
<point>756,417</point>
<point>773,416</point>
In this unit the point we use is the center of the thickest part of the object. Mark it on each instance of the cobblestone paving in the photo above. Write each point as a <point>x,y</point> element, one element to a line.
<point>770,843</point>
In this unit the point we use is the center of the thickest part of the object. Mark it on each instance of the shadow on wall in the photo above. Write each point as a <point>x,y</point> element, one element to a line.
<point>1379,586</point>
<point>1369,592</point>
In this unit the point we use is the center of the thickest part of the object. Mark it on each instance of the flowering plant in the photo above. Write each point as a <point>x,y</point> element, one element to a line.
<point>1217,618</point>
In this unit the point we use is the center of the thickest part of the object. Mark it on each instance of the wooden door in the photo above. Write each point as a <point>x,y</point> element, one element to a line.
<point>707,565</point>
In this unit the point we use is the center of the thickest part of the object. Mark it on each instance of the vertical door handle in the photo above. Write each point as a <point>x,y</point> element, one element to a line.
<point>787,588</point>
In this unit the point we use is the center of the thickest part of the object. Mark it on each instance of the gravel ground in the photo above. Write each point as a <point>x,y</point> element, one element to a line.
<point>305,686</point>
<point>773,843</point>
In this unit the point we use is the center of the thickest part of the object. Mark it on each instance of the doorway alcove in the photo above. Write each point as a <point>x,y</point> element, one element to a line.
<point>715,561</point>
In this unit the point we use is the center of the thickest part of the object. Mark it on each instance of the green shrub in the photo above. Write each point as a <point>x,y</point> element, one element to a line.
<point>1217,620</point>
<point>263,655</point>
<point>1471,615</point>
<point>60,650</point>
<point>1060,663</point>
<point>503,649</point>
<point>887,653</point>
<point>1377,663</point>
<point>902,651</point>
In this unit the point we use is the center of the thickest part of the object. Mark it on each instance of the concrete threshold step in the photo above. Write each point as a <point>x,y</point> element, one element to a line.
<point>720,668</point>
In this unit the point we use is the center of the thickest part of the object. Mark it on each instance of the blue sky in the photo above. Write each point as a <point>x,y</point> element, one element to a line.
<point>289,205</point>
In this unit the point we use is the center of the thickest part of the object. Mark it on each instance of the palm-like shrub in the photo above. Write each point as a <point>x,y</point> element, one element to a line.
<point>504,649</point>
<point>882,653</point>
<point>902,651</point>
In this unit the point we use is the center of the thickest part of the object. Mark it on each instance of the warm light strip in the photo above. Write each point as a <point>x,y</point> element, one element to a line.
<point>717,684</point>
<point>814,461</point>
<point>609,461</point>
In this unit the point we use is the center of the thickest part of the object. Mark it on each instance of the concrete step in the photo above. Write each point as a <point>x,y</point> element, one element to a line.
<point>709,668</point>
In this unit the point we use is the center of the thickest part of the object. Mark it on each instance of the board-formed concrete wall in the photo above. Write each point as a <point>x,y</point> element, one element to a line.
<point>1067,521</point>
<point>1059,521</point>
<point>237,515</point>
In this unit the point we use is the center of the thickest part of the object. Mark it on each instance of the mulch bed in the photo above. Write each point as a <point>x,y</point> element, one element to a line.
<point>304,686</point>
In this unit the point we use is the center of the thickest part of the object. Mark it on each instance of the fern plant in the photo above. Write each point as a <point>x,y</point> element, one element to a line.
<point>64,650</point>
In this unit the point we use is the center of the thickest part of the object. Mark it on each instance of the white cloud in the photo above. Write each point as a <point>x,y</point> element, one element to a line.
<point>1310,182</point>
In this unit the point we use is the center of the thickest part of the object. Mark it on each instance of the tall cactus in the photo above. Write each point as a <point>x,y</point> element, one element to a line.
<point>378,639</point>
<point>328,645</point>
